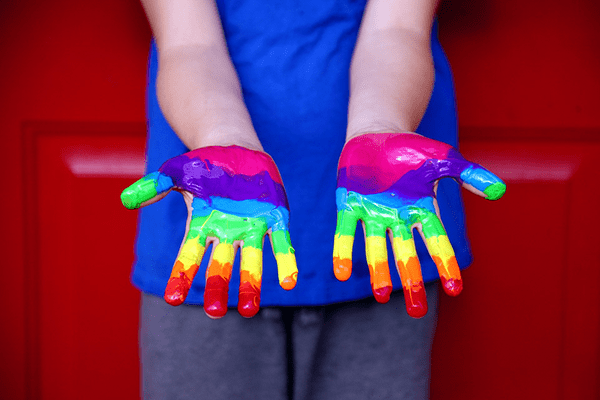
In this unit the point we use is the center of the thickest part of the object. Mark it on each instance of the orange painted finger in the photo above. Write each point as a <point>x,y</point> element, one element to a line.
<point>218,275</point>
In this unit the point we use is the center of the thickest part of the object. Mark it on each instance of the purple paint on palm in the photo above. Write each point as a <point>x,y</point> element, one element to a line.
<point>403,164</point>
<point>206,173</point>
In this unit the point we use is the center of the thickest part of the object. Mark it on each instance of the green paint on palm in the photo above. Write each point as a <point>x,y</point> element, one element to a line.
<point>229,228</point>
<point>378,218</point>
<point>495,191</point>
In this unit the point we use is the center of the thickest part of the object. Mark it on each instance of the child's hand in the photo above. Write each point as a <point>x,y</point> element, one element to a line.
<point>389,182</point>
<point>234,196</point>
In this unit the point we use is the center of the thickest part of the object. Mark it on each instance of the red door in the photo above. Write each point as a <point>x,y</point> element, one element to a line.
<point>527,324</point>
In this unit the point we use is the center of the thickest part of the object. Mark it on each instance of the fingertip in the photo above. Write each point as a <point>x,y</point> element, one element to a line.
<point>289,282</point>
<point>495,191</point>
<point>382,294</point>
<point>215,296</point>
<point>452,286</point>
<point>248,298</point>
<point>177,289</point>
<point>342,268</point>
<point>416,300</point>
<point>129,198</point>
<point>248,307</point>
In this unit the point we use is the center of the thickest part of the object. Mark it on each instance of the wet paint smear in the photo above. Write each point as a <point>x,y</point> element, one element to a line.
<point>387,181</point>
<point>238,196</point>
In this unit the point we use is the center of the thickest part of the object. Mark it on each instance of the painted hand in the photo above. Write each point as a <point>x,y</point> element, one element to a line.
<point>389,182</point>
<point>235,197</point>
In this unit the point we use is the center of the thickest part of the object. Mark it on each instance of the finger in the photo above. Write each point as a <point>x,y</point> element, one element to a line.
<point>342,244</point>
<point>409,269</point>
<point>218,275</point>
<point>441,251</point>
<point>187,263</point>
<point>482,182</point>
<point>377,259</point>
<point>286,259</point>
<point>250,281</point>
<point>474,177</point>
<point>146,190</point>
<point>251,270</point>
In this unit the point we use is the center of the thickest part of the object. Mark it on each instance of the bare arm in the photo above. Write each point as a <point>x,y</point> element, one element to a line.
<point>198,88</point>
<point>391,76</point>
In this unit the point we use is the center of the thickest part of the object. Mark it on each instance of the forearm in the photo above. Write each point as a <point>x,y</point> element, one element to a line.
<point>391,80</point>
<point>197,86</point>
<point>200,95</point>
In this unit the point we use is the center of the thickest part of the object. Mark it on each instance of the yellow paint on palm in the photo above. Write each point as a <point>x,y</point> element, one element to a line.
<point>251,265</point>
<point>287,270</point>
<point>381,282</point>
<point>342,256</point>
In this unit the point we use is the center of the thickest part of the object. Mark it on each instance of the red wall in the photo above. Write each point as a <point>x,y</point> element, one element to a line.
<point>72,78</point>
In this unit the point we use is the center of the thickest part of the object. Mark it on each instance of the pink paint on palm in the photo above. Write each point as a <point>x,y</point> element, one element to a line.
<point>384,158</point>
<point>238,160</point>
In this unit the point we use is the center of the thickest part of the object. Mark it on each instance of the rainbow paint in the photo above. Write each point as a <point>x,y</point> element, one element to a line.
<point>387,181</point>
<point>238,198</point>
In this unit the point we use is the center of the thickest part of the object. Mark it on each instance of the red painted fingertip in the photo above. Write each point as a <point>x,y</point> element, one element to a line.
<point>177,289</point>
<point>416,300</point>
<point>215,296</point>
<point>382,295</point>
<point>248,300</point>
<point>452,286</point>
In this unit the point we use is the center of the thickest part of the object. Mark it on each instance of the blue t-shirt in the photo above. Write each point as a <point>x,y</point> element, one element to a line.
<point>293,63</point>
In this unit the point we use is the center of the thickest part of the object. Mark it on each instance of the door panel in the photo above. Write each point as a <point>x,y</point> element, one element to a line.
<point>82,309</point>
<point>526,324</point>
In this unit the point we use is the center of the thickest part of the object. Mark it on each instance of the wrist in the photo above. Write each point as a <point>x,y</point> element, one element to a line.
<point>379,130</point>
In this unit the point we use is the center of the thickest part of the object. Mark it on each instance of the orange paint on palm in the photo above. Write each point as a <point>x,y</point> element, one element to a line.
<point>217,288</point>
<point>414,288</point>
<point>342,268</point>
<point>450,274</point>
<point>249,296</point>
<point>381,282</point>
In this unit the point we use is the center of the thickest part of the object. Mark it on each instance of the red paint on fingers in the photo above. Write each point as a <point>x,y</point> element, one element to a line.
<point>215,296</point>
<point>382,294</point>
<point>248,300</point>
<point>177,289</point>
<point>416,300</point>
<point>452,286</point>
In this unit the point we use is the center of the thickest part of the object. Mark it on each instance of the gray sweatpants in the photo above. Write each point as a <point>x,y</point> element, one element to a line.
<point>357,350</point>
